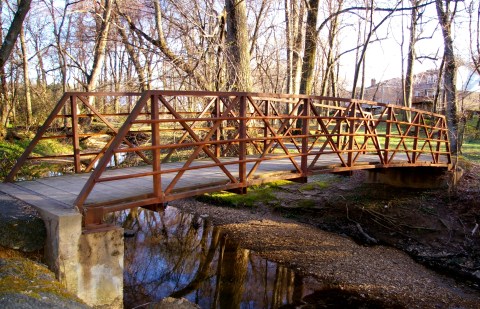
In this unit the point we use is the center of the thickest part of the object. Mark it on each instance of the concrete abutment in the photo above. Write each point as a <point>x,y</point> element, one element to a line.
<point>90,264</point>
<point>415,177</point>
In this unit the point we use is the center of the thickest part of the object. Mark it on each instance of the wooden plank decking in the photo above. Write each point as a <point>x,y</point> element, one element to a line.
<point>267,136</point>
<point>65,189</point>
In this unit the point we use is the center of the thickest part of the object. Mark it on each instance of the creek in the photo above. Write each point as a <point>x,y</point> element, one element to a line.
<point>175,254</point>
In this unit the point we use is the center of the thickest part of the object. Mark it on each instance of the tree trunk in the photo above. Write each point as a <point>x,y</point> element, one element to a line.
<point>295,37</point>
<point>330,65</point>
<point>308,65</point>
<point>134,58</point>
<point>298,48</point>
<point>372,30</point>
<point>239,73</point>
<point>5,51</point>
<point>41,72</point>
<point>445,19</point>
<point>234,266</point>
<point>100,45</point>
<point>28,97</point>
<point>408,92</point>
<point>438,88</point>
<point>361,55</point>
<point>161,43</point>
<point>14,30</point>
<point>288,35</point>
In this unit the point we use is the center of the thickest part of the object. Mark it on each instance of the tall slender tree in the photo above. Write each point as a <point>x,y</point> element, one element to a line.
<point>8,42</point>
<point>26,78</point>
<point>445,19</point>
<point>238,51</point>
<point>310,50</point>
<point>100,45</point>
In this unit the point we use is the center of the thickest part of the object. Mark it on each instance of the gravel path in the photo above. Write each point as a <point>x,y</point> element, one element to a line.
<point>378,272</point>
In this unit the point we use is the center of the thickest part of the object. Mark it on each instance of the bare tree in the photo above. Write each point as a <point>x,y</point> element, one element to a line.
<point>26,77</point>
<point>134,57</point>
<point>372,29</point>
<point>474,30</point>
<point>295,37</point>
<point>8,43</point>
<point>100,45</point>
<point>411,54</point>
<point>445,19</point>
<point>14,30</point>
<point>329,72</point>
<point>310,49</point>
<point>188,67</point>
<point>239,77</point>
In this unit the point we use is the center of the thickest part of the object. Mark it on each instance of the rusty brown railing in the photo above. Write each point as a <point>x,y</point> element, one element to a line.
<point>237,133</point>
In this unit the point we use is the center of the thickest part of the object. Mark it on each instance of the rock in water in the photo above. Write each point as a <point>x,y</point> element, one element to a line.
<point>21,228</point>
<point>174,303</point>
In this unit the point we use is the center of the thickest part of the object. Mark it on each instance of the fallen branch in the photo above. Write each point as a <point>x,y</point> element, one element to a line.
<point>475,228</point>
<point>368,237</point>
<point>419,227</point>
<point>381,217</point>
<point>444,223</point>
<point>359,227</point>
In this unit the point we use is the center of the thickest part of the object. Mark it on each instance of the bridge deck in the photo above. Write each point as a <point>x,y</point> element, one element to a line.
<point>247,138</point>
<point>65,189</point>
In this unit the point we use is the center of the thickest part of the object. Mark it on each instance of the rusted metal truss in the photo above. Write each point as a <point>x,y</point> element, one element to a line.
<point>248,128</point>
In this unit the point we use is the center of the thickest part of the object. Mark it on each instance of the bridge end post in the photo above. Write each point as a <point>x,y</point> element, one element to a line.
<point>305,134</point>
<point>242,149</point>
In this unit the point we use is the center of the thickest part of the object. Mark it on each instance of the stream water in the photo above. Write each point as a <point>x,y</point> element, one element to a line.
<point>171,253</point>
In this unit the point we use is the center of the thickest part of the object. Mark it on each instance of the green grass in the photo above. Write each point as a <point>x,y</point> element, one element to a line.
<point>315,185</point>
<point>11,151</point>
<point>471,151</point>
<point>47,147</point>
<point>255,194</point>
<point>305,203</point>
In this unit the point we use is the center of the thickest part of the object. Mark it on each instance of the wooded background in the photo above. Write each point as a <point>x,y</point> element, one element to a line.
<point>309,47</point>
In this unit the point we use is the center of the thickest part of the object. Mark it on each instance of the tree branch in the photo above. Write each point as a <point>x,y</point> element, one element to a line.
<point>14,30</point>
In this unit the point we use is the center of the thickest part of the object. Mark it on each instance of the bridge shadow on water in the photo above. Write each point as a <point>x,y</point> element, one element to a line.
<point>175,254</point>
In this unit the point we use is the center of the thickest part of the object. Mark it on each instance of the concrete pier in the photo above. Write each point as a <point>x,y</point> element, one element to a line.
<point>90,265</point>
<point>414,177</point>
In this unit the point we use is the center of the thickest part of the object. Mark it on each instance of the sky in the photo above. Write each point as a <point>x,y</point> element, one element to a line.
<point>384,58</point>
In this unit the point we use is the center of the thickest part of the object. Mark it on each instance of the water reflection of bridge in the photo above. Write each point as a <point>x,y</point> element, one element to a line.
<point>196,260</point>
<point>178,144</point>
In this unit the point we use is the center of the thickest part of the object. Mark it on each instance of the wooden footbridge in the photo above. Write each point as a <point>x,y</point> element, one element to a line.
<point>141,149</point>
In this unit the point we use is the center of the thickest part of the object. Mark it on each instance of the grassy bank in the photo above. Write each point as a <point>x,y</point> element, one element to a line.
<point>10,151</point>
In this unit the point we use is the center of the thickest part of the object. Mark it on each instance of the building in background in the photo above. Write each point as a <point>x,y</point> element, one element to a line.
<point>389,91</point>
<point>425,85</point>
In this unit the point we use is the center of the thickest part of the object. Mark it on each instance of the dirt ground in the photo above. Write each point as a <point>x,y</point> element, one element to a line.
<point>367,238</point>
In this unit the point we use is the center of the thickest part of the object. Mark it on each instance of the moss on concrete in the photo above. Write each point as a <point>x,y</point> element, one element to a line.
<point>23,281</point>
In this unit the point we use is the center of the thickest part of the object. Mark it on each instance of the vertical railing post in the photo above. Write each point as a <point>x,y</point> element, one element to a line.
<point>156,167</point>
<point>439,140</point>
<point>75,135</point>
<point>447,140</point>
<point>305,132</point>
<point>366,126</point>
<point>218,131</point>
<point>242,149</point>
<point>388,130</point>
<point>351,133</point>
<point>415,138</point>
<point>265,127</point>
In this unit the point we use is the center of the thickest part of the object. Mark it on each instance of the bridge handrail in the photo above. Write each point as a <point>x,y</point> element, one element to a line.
<point>222,122</point>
